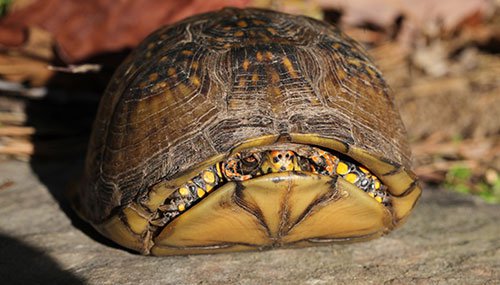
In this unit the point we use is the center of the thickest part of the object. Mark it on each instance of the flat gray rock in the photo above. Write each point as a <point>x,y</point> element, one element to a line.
<point>449,239</point>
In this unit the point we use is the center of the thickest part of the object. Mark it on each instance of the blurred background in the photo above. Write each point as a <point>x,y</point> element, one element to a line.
<point>442,58</point>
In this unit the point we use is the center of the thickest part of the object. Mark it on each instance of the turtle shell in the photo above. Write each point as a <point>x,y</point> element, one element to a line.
<point>198,91</point>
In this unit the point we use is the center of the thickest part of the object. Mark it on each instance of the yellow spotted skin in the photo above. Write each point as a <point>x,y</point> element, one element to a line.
<point>342,168</point>
<point>236,168</point>
<point>278,161</point>
<point>198,93</point>
<point>351,177</point>
<point>209,177</point>
<point>183,191</point>
<point>200,192</point>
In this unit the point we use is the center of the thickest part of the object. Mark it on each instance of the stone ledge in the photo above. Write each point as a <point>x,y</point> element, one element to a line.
<point>449,239</point>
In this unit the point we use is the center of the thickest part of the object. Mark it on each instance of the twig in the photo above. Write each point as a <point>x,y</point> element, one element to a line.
<point>33,93</point>
<point>84,68</point>
<point>18,148</point>
<point>16,131</point>
<point>12,118</point>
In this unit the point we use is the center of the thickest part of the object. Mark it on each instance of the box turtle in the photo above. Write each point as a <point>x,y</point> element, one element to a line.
<point>246,129</point>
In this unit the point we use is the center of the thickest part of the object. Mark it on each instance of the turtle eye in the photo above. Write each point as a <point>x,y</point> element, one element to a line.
<point>250,163</point>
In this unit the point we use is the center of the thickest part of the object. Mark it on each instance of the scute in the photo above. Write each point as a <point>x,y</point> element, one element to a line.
<point>275,210</point>
<point>198,90</point>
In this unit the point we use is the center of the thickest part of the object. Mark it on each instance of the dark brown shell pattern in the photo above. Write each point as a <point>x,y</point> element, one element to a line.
<point>198,88</point>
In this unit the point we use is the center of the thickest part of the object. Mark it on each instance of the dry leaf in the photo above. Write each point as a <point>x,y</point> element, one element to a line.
<point>86,28</point>
<point>383,13</point>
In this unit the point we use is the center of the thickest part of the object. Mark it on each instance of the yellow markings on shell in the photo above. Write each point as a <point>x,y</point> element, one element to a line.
<point>371,71</point>
<point>341,74</point>
<point>241,82</point>
<point>354,62</point>
<point>181,207</point>
<point>259,56</point>
<point>246,64</point>
<point>379,199</point>
<point>171,71</point>
<point>289,66</point>
<point>163,59</point>
<point>255,78</point>
<point>275,77</point>
<point>377,184</point>
<point>187,52</point>
<point>272,31</point>
<point>183,191</point>
<point>227,28</point>
<point>242,24</point>
<point>351,177</point>
<point>195,80</point>
<point>200,192</point>
<point>371,194</point>
<point>209,177</point>
<point>258,22</point>
<point>336,46</point>
<point>195,65</point>
<point>269,55</point>
<point>239,34</point>
<point>153,76</point>
<point>184,89</point>
<point>342,168</point>
<point>275,91</point>
<point>158,86</point>
<point>151,45</point>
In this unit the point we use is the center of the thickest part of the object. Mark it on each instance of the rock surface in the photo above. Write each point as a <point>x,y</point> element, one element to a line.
<point>449,239</point>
